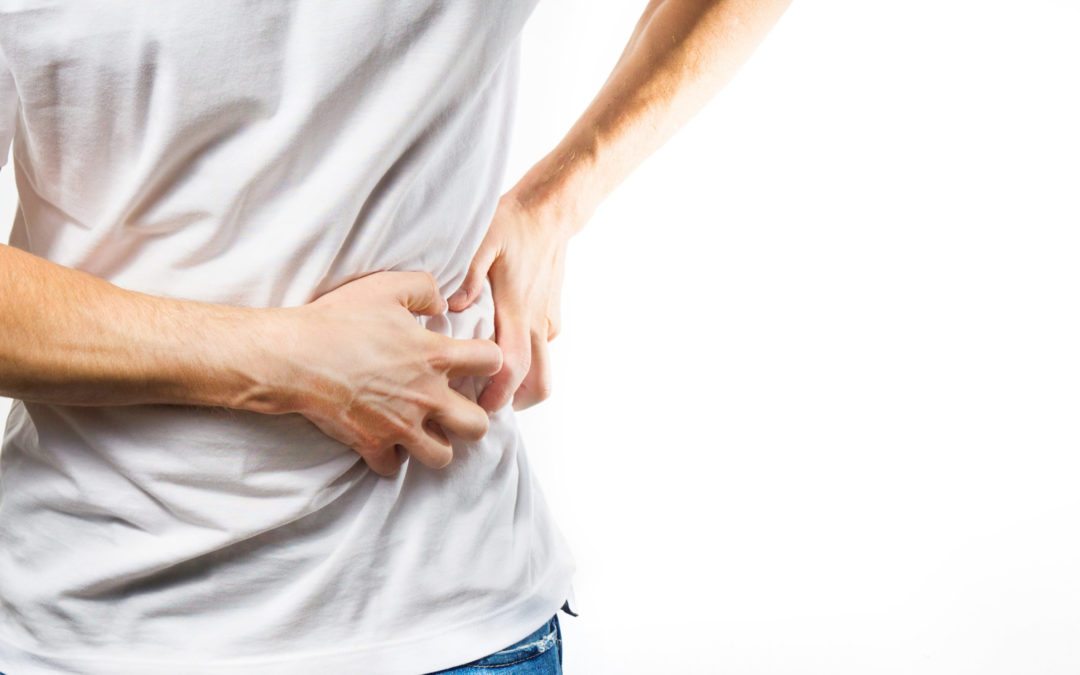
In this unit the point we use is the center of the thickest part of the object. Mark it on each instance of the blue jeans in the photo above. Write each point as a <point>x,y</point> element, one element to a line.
<point>539,653</point>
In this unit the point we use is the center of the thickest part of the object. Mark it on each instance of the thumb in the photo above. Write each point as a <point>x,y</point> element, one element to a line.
<point>419,292</point>
<point>474,278</point>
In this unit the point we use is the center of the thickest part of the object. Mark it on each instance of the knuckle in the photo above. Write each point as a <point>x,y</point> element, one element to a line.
<point>363,440</point>
<point>393,431</point>
<point>441,355</point>
<point>401,429</point>
<point>478,429</point>
<point>517,365</point>
<point>362,446</point>
<point>427,396</point>
<point>433,282</point>
<point>410,438</point>
<point>512,374</point>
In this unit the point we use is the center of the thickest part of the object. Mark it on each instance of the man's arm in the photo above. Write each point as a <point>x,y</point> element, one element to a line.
<point>355,361</point>
<point>71,338</point>
<point>679,55</point>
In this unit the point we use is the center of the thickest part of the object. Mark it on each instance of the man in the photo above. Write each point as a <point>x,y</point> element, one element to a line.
<point>223,303</point>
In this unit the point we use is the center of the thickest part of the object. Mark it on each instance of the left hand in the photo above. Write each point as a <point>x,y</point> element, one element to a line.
<point>523,254</point>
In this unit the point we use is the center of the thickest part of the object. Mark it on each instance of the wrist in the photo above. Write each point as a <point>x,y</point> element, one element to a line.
<point>560,189</point>
<point>260,368</point>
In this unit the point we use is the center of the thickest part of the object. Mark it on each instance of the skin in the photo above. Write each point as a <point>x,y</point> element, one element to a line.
<point>354,361</point>
<point>680,54</point>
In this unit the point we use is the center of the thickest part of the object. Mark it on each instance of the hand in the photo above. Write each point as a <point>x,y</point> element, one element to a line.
<point>362,369</point>
<point>524,256</point>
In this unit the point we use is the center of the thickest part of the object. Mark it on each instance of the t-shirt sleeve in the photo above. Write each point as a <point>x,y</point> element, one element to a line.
<point>9,106</point>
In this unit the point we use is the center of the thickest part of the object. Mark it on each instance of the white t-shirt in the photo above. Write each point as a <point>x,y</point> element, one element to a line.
<point>260,153</point>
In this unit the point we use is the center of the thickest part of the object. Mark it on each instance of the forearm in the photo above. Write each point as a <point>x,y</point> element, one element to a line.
<point>68,337</point>
<point>681,53</point>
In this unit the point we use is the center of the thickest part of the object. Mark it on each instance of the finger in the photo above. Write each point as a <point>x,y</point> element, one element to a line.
<point>419,292</point>
<point>460,416</point>
<point>385,462</point>
<point>512,336</point>
<point>473,357</point>
<point>536,386</point>
<point>474,278</point>
<point>431,451</point>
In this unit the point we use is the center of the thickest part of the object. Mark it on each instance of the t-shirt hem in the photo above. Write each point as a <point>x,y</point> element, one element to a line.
<point>458,645</point>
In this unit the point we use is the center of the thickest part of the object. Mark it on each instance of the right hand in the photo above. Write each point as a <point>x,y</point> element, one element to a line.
<point>362,369</point>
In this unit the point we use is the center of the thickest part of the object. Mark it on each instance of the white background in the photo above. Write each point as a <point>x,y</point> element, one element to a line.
<point>817,395</point>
